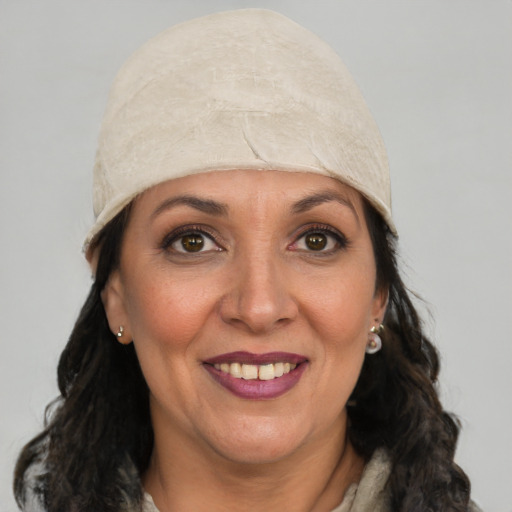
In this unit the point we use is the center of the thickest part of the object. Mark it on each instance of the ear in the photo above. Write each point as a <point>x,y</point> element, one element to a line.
<point>113,299</point>
<point>379,306</point>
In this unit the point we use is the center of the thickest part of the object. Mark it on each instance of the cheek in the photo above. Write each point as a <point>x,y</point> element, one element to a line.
<point>341,308</point>
<point>341,320</point>
<point>166,311</point>
<point>166,318</point>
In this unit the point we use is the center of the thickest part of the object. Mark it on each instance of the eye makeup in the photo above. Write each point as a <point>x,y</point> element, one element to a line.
<point>319,239</point>
<point>191,239</point>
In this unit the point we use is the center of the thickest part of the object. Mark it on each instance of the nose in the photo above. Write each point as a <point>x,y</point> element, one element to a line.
<point>259,300</point>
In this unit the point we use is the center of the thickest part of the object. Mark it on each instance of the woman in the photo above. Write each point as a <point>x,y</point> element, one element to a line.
<point>231,353</point>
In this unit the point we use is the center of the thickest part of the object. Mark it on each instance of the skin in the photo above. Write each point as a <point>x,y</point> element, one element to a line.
<point>255,286</point>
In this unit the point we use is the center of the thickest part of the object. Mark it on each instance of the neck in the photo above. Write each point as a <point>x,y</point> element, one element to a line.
<point>184,476</point>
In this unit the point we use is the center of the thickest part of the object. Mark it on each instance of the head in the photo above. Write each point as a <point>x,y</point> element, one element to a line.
<point>280,153</point>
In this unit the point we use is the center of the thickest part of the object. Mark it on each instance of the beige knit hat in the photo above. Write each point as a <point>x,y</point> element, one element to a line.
<point>244,89</point>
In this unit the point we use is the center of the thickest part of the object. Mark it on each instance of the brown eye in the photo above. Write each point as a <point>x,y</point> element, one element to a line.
<point>324,241</point>
<point>316,241</point>
<point>192,243</point>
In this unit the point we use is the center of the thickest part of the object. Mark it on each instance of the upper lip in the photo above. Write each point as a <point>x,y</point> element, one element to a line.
<point>257,359</point>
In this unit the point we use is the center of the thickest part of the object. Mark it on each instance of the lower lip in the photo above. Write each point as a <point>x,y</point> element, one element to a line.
<point>257,389</point>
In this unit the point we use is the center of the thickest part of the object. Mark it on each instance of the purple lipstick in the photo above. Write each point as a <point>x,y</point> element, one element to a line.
<point>257,376</point>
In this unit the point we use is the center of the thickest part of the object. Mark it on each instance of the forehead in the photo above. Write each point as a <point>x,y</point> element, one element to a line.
<point>250,188</point>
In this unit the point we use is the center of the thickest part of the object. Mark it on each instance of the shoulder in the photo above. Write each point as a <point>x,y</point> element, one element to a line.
<point>148,504</point>
<point>372,493</point>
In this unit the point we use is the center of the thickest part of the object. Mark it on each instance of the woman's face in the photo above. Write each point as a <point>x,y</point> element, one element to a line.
<point>249,296</point>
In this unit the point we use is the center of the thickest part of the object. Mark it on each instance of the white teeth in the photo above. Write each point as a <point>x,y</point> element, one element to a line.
<point>266,372</point>
<point>279,369</point>
<point>254,371</point>
<point>235,369</point>
<point>249,371</point>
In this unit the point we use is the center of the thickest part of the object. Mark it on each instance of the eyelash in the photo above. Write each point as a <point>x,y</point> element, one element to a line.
<point>341,240</point>
<point>174,236</point>
<point>183,231</point>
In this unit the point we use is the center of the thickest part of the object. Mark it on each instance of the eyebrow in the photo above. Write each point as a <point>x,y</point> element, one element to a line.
<point>203,205</point>
<point>216,208</point>
<point>309,202</point>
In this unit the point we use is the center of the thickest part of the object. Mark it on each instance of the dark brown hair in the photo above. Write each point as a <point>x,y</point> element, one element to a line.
<point>98,437</point>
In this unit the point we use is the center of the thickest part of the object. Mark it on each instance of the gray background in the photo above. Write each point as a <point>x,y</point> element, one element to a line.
<point>437,75</point>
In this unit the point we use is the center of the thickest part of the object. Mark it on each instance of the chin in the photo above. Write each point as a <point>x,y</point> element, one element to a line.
<point>260,442</point>
<point>255,453</point>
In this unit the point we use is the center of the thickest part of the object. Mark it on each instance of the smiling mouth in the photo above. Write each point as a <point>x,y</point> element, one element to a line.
<point>257,375</point>
<point>256,371</point>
